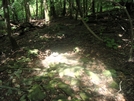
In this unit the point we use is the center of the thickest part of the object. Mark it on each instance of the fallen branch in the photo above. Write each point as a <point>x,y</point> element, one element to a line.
<point>91,30</point>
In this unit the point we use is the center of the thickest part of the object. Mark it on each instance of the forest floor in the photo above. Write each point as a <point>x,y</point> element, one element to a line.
<point>64,62</point>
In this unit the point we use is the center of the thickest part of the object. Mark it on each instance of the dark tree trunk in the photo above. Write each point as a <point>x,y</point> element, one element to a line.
<point>7,19</point>
<point>79,7</point>
<point>70,8</point>
<point>36,9</point>
<point>27,11</point>
<point>42,10</point>
<point>64,8</point>
<point>52,9</point>
<point>93,6</point>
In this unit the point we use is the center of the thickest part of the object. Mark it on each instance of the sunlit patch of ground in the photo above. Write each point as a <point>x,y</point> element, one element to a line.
<point>83,74</point>
<point>69,74</point>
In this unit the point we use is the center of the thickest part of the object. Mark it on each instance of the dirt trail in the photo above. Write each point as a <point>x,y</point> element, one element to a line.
<point>72,63</point>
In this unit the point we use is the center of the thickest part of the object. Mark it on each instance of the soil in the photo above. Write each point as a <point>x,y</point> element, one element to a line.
<point>91,70</point>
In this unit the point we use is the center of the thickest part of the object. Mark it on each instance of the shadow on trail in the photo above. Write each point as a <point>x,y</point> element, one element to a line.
<point>54,67</point>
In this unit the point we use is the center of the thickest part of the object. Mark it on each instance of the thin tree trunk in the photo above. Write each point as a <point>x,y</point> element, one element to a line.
<point>27,11</point>
<point>36,9</point>
<point>7,20</point>
<point>84,7</point>
<point>52,9</point>
<point>64,8</point>
<point>46,11</point>
<point>42,9</point>
<point>93,6</point>
<point>78,4</point>
<point>70,8</point>
<point>79,7</point>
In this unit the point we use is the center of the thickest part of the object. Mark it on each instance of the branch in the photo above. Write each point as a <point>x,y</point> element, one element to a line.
<point>91,30</point>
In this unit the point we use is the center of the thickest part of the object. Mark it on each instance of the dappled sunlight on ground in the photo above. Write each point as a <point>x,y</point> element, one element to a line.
<point>56,58</point>
<point>83,73</point>
<point>52,66</point>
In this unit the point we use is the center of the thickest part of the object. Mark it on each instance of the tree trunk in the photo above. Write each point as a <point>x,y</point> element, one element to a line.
<point>36,9</point>
<point>70,8</point>
<point>84,7</point>
<point>52,9</point>
<point>27,11</point>
<point>42,9</point>
<point>79,7</point>
<point>46,11</point>
<point>93,6</point>
<point>64,8</point>
<point>7,20</point>
<point>14,13</point>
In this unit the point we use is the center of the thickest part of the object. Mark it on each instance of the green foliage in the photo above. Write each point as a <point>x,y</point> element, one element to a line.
<point>18,73</point>
<point>2,27</point>
<point>0,82</point>
<point>113,84</point>
<point>86,19</point>
<point>37,88</point>
<point>64,87</point>
<point>50,85</point>
<point>23,59</point>
<point>36,93</point>
<point>34,51</point>
<point>84,96</point>
<point>109,73</point>
<point>110,43</point>
<point>85,60</point>
<point>101,30</point>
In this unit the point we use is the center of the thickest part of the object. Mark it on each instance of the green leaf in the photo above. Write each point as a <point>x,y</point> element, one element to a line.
<point>35,93</point>
<point>113,84</point>
<point>23,98</point>
<point>34,51</point>
<point>84,96</point>
<point>0,82</point>
<point>62,85</point>
<point>61,97</point>
<point>93,75</point>
<point>53,83</point>
<point>66,88</point>
<point>106,73</point>
<point>18,73</point>
<point>9,92</point>
<point>85,59</point>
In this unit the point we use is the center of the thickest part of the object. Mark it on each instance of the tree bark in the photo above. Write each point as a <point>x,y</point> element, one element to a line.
<point>70,8</point>
<point>52,9</point>
<point>79,7</point>
<point>27,11</point>
<point>7,20</point>
<point>42,9</point>
<point>93,6</point>
<point>46,11</point>
<point>64,8</point>
<point>36,9</point>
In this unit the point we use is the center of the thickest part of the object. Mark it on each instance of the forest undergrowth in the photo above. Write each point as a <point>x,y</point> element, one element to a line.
<point>64,62</point>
